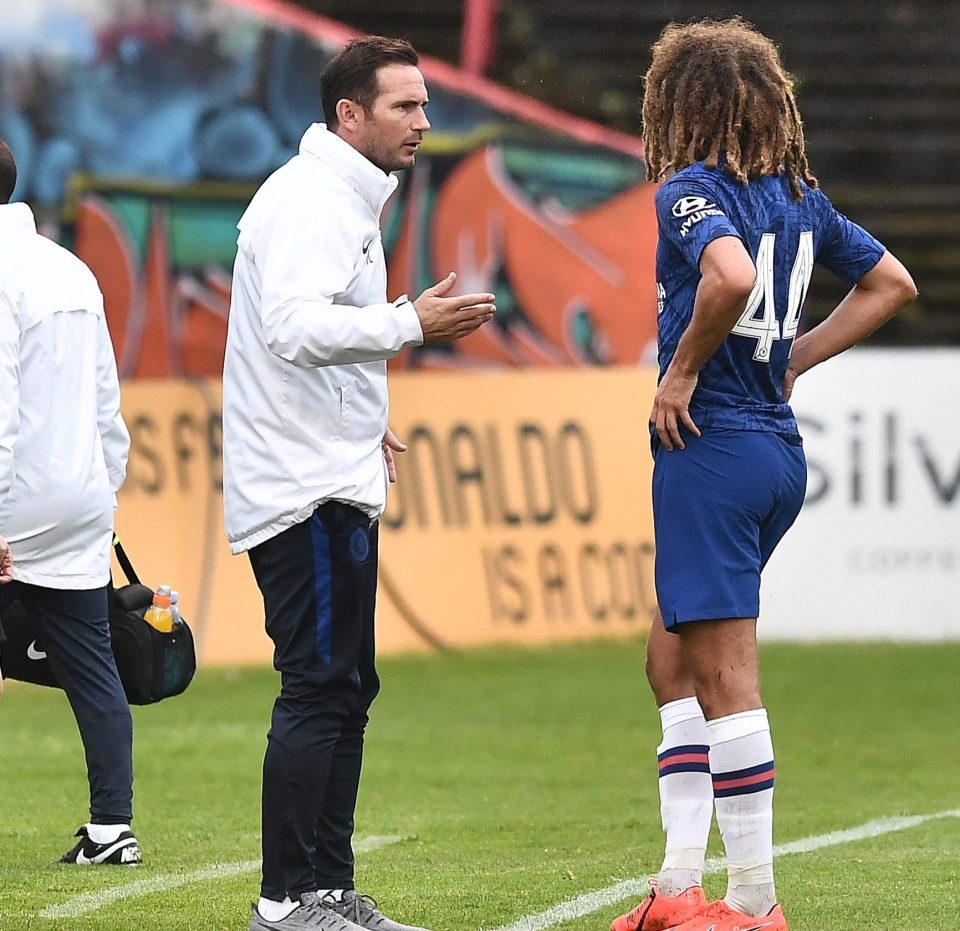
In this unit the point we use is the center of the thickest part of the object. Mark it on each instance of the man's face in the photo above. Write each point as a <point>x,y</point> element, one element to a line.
<point>390,133</point>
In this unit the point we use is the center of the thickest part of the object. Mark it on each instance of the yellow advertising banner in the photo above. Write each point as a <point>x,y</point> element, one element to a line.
<point>170,516</point>
<point>521,514</point>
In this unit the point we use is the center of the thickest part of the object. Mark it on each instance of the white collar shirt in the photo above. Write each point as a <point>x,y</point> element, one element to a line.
<point>305,378</point>
<point>63,443</point>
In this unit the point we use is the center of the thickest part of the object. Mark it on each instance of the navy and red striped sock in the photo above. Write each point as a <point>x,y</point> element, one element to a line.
<point>742,768</point>
<point>686,796</point>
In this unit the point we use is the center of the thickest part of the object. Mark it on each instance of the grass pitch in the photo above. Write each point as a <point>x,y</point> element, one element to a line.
<point>517,780</point>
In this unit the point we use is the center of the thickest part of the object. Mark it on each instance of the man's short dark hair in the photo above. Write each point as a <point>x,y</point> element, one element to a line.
<point>352,73</point>
<point>8,173</point>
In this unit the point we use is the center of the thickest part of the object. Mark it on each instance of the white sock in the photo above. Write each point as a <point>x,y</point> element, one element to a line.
<point>271,910</point>
<point>105,833</point>
<point>335,894</point>
<point>686,795</point>
<point>741,761</point>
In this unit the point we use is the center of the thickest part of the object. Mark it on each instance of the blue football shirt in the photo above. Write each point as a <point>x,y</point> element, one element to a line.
<point>741,385</point>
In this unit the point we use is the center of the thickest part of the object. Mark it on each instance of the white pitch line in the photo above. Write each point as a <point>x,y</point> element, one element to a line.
<point>594,901</point>
<point>91,901</point>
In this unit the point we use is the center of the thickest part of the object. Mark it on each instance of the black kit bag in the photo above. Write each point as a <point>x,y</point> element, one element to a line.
<point>153,665</point>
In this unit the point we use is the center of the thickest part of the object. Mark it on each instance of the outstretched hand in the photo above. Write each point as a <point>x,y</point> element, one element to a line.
<point>444,318</point>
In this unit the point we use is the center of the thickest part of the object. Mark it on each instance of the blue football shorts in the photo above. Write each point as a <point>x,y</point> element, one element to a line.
<point>720,507</point>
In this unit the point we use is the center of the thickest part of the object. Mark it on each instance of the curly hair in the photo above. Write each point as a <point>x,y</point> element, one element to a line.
<point>719,88</point>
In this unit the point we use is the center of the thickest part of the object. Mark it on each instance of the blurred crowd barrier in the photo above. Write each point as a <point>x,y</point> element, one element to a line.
<point>875,552</point>
<point>522,510</point>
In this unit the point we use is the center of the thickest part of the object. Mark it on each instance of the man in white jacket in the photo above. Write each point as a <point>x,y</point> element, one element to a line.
<point>308,456</point>
<point>63,456</point>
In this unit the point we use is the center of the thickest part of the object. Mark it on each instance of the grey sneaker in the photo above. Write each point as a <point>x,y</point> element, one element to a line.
<point>362,910</point>
<point>313,914</point>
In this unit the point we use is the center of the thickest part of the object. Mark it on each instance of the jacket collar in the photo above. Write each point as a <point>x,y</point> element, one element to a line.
<point>16,221</point>
<point>372,184</point>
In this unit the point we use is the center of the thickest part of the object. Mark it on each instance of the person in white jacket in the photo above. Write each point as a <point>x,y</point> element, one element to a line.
<point>308,457</point>
<point>63,456</point>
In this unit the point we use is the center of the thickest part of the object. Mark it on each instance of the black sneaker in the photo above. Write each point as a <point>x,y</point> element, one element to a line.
<point>124,851</point>
<point>362,910</point>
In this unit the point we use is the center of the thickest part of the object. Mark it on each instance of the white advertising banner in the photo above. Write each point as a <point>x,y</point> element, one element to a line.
<point>875,553</point>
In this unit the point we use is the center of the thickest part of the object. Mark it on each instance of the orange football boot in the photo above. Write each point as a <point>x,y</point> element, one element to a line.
<point>659,912</point>
<point>721,917</point>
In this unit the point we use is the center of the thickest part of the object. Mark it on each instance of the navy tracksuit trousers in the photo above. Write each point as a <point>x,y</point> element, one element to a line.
<point>72,629</point>
<point>318,580</point>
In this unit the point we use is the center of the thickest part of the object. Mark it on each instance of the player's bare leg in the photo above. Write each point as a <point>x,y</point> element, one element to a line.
<point>667,671</point>
<point>722,658</point>
<point>686,791</point>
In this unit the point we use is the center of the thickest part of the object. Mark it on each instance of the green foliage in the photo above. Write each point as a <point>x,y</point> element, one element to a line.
<point>517,779</point>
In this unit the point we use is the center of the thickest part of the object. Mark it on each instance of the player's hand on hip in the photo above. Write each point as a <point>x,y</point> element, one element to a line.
<point>788,382</point>
<point>671,408</point>
<point>445,317</point>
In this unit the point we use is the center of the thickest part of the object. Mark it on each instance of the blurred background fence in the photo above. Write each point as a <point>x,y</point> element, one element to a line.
<point>878,86</point>
<point>521,515</point>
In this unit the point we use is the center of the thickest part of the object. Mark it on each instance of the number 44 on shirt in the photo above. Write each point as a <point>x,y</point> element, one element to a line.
<point>759,320</point>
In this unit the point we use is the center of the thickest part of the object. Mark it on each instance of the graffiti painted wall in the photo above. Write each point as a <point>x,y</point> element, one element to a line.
<point>142,129</point>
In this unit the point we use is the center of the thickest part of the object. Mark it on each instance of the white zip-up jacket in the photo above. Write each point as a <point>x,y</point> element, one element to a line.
<point>63,443</point>
<point>305,374</point>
